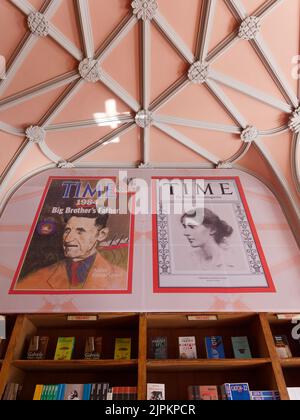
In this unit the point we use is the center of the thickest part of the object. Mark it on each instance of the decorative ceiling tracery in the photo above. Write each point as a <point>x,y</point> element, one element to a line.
<point>200,75</point>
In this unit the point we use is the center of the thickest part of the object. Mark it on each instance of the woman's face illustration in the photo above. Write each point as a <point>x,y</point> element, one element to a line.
<point>197,234</point>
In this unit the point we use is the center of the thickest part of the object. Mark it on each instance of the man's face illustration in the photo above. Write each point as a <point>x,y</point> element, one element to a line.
<point>81,237</point>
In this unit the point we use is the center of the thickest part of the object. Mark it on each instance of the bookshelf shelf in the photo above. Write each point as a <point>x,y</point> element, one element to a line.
<point>290,363</point>
<point>74,365</point>
<point>265,371</point>
<point>193,365</point>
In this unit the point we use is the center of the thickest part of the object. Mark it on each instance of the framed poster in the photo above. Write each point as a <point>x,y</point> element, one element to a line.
<point>204,238</point>
<point>75,244</point>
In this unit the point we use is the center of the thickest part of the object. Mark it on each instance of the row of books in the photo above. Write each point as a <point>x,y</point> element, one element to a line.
<point>69,392</point>
<point>37,349</point>
<point>188,347</point>
<point>228,391</point>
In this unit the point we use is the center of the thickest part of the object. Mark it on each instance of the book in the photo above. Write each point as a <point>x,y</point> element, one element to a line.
<point>204,393</point>
<point>37,348</point>
<point>241,348</point>
<point>187,348</point>
<point>73,392</point>
<point>64,348</point>
<point>159,348</point>
<point>12,392</point>
<point>99,391</point>
<point>282,347</point>
<point>156,392</point>
<point>122,349</point>
<point>2,342</point>
<point>214,347</point>
<point>294,394</point>
<point>93,348</point>
<point>265,395</point>
<point>236,392</point>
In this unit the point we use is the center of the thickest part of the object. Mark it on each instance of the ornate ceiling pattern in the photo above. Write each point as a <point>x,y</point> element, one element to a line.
<point>151,83</point>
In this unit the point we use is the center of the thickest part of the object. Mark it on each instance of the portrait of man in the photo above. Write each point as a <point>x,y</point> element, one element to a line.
<point>77,249</point>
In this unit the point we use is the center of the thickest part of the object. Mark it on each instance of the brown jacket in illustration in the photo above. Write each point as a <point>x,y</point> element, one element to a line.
<point>102,276</point>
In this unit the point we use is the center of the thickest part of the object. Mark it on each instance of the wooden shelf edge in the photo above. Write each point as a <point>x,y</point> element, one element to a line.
<point>73,364</point>
<point>220,363</point>
<point>290,363</point>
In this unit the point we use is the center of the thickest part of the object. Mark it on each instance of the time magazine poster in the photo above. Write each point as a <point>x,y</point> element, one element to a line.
<point>74,246</point>
<point>205,241</point>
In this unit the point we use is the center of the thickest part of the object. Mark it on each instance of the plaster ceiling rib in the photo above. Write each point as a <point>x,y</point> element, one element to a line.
<point>60,103</point>
<point>274,131</point>
<point>197,124</point>
<point>6,128</point>
<point>118,119</point>
<point>278,174</point>
<point>249,91</point>
<point>17,60</point>
<point>238,155</point>
<point>169,93</point>
<point>24,6</point>
<point>205,30</point>
<point>271,65</point>
<point>49,153</point>
<point>181,138</point>
<point>295,160</point>
<point>48,9</point>
<point>119,91</point>
<point>264,54</point>
<point>86,27</point>
<point>228,105</point>
<point>64,42</point>
<point>266,8</point>
<point>173,38</point>
<point>39,89</point>
<point>146,77</point>
<point>13,164</point>
<point>106,139</point>
<point>222,47</point>
<point>115,37</point>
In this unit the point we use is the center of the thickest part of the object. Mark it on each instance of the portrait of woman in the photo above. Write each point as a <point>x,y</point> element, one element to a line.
<point>209,237</point>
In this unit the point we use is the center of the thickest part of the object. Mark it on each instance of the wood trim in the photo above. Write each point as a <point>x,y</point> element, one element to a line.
<point>142,370</point>
<point>13,344</point>
<point>276,363</point>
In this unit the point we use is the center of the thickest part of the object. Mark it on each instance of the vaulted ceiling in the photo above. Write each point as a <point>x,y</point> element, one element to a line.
<point>152,83</point>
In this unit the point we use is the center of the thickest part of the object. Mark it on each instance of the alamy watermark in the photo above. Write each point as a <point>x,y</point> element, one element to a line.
<point>296,328</point>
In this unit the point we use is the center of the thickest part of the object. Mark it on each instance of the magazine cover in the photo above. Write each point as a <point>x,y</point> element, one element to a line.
<point>204,238</point>
<point>76,245</point>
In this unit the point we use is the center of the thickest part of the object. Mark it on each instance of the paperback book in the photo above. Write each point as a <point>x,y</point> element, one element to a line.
<point>187,348</point>
<point>282,347</point>
<point>64,348</point>
<point>159,348</point>
<point>241,348</point>
<point>214,347</point>
<point>265,395</point>
<point>37,348</point>
<point>99,391</point>
<point>203,393</point>
<point>123,349</point>
<point>236,392</point>
<point>294,394</point>
<point>2,343</point>
<point>93,348</point>
<point>156,392</point>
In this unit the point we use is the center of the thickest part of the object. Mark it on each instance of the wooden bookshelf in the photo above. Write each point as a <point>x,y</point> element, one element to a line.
<point>265,371</point>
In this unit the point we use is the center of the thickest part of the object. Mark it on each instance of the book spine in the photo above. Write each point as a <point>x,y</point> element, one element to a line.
<point>38,393</point>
